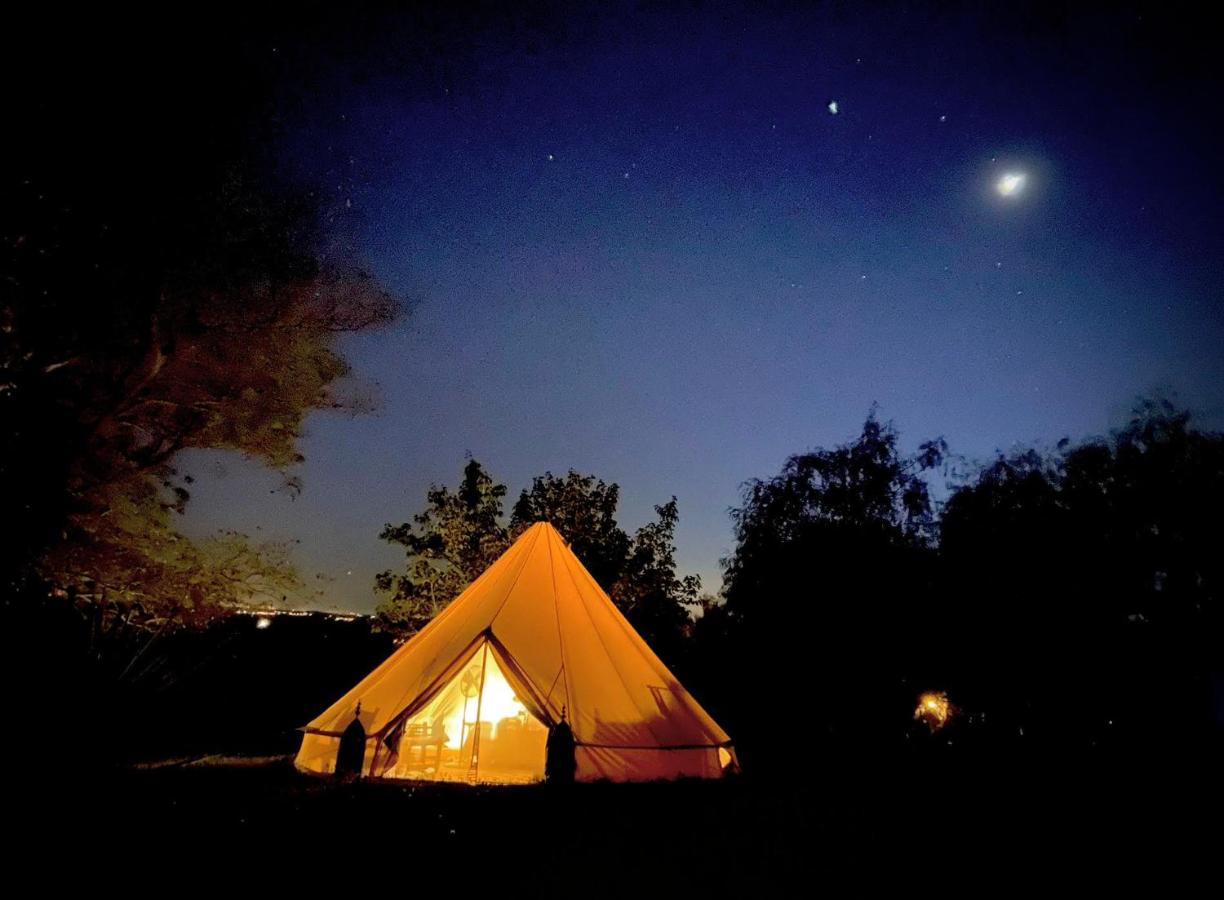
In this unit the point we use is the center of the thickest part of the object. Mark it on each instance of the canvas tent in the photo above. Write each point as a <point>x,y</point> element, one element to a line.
<point>472,695</point>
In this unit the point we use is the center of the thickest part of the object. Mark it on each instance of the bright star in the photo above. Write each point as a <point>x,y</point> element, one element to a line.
<point>833,107</point>
<point>1010,184</point>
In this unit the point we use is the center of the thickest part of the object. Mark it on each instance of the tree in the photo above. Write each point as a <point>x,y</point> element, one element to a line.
<point>583,509</point>
<point>1085,583</point>
<point>826,589</point>
<point>654,599</point>
<point>457,537</point>
<point>166,290</point>
<point>865,493</point>
<point>119,357</point>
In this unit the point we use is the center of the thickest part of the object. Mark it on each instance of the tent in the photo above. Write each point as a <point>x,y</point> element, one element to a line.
<point>472,696</point>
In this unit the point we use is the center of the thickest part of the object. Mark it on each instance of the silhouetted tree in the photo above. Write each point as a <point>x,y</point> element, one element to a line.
<point>824,594</point>
<point>657,602</point>
<point>124,361</point>
<point>163,290</point>
<point>1085,584</point>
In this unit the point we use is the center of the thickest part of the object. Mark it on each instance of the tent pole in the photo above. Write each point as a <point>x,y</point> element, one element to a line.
<point>474,766</point>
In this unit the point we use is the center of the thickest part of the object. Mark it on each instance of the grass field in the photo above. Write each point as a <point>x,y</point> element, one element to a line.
<point>913,823</point>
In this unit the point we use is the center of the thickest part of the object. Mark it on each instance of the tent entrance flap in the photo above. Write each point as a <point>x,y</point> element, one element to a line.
<point>475,729</point>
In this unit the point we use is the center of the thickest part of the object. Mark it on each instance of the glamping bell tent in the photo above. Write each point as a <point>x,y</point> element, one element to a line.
<point>532,642</point>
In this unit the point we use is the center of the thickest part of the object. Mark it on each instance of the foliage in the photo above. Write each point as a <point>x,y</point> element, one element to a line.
<point>656,601</point>
<point>823,594</point>
<point>1084,584</point>
<point>132,560</point>
<point>456,537</point>
<point>162,287</point>
<point>865,493</point>
<point>115,362</point>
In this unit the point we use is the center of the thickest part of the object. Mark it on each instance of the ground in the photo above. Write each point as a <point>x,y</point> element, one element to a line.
<point>913,823</point>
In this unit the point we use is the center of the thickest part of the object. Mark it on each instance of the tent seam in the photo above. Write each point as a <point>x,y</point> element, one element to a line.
<point>513,585</point>
<point>564,674</point>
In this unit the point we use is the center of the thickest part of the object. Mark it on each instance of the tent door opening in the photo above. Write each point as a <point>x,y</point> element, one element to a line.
<point>476,729</point>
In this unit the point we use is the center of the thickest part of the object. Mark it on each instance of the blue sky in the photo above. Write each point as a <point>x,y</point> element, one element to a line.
<point>639,244</point>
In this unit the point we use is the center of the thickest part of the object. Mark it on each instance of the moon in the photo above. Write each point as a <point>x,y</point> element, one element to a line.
<point>1010,184</point>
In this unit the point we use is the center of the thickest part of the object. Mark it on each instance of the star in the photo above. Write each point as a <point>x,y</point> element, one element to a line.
<point>833,107</point>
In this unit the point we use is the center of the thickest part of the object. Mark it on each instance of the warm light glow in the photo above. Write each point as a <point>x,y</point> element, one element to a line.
<point>934,709</point>
<point>263,622</point>
<point>439,742</point>
<point>1010,184</point>
<point>496,703</point>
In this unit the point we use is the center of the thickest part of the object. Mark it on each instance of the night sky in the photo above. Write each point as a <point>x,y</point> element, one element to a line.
<point>641,244</point>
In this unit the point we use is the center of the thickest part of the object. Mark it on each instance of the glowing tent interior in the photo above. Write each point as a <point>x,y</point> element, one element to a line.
<point>471,697</point>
